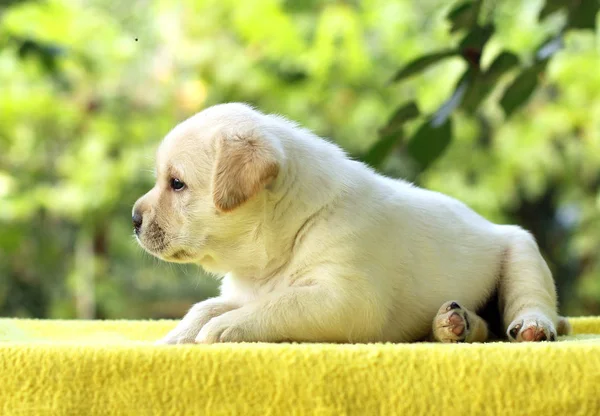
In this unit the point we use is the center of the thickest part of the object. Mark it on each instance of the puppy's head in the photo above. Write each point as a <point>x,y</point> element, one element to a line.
<point>210,171</point>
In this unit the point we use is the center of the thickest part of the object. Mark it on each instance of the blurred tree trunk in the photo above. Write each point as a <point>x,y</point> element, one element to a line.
<point>539,216</point>
<point>85,299</point>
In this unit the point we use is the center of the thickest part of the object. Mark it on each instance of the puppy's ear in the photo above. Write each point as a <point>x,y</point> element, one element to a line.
<point>244,166</point>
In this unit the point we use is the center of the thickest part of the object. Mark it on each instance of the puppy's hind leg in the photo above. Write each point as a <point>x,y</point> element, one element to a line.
<point>453,323</point>
<point>527,296</point>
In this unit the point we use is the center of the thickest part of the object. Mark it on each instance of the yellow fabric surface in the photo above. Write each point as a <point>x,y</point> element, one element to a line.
<point>112,368</point>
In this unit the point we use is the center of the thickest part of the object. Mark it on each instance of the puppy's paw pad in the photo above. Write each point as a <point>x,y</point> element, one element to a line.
<point>531,329</point>
<point>451,323</point>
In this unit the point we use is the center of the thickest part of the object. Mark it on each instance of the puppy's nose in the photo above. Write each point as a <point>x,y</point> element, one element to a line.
<point>137,221</point>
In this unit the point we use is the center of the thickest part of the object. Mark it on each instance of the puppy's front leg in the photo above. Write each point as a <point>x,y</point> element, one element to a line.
<point>308,314</point>
<point>188,328</point>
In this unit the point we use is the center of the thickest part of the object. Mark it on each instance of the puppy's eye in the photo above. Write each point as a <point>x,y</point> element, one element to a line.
<point>176,184</point>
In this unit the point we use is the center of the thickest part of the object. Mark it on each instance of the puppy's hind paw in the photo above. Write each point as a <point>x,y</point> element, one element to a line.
<point>451,324</point>
<point>531,329</point>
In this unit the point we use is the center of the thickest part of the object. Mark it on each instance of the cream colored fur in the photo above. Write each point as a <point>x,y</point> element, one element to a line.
<point>314,246</point>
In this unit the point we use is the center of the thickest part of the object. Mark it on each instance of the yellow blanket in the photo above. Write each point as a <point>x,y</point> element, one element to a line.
<point>112,368</point>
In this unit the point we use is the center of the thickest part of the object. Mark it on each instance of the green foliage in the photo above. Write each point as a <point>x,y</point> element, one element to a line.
<point>476,83</point>
<point>422,63</point>
<point>495,103</point>
<point>430,141</point>
<point>391,134</point>
<point>519,91</point>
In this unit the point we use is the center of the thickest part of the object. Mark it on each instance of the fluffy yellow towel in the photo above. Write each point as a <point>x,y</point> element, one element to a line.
<point>111,368</point>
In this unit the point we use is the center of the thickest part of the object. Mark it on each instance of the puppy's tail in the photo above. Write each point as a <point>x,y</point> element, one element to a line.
<point>563,327</point>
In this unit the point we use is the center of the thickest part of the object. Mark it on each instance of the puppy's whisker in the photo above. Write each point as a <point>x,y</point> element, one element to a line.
<point>197,284</point>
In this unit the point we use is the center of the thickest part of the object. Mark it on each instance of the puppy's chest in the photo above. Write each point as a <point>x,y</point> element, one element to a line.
<point>247,289</point>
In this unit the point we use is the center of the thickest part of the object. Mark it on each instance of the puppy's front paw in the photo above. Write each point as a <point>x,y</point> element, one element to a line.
<point>174,340</point>
<point>221,329</point>
<point>451,324</point>
<point>531,328</point>
<point>184,333</point>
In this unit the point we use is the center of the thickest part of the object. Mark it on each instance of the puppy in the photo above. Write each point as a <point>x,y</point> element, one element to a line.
<point>316,247</point>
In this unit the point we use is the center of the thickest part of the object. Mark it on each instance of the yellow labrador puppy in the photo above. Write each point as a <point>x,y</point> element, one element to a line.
<point>314,246</point>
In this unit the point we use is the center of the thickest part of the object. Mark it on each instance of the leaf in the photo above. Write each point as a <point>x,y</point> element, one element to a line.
<point>422,63</point>
<point>583,14</point>
<point>475,90</point>
<point>477,37</point>
<point>485,82</point>
<point>429,142</point>
<point>47,54</point>
<point>464,15</point>
<point>517,93</point>
<point>26,48</point>
<point>400,116</point>
<point>481,84</point>
<point>471,47</point>
<point>305,6</point>
<point>377,154</point>
<point>503,63</point>
<point>446,109</point>
<point>550,7</point>
<point>11,3</point>
<point>391,134</point>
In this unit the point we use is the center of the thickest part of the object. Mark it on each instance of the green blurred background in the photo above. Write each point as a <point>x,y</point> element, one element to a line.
<point>89,87</point>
